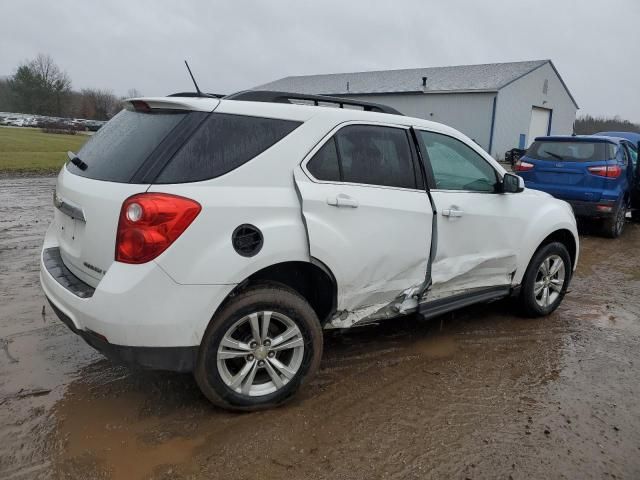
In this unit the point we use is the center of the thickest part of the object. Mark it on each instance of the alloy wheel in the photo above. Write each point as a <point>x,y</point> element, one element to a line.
<point>260,353</point>
<point>550,280</point>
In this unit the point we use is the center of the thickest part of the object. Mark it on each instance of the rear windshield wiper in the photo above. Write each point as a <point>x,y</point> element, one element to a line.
<point>73,158</point>
<point>554,155</point>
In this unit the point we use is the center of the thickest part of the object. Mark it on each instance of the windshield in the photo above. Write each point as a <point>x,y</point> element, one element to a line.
<point>122,145</point>
<point>572,151</point>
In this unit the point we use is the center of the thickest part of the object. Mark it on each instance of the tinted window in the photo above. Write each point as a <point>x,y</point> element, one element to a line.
<point>634,154</point>
<point>376,156</point>
<point>121,146</point>
<point>223,143</point>
<point>567,151</point>
<point>457,166</point>
<point>324,164</point>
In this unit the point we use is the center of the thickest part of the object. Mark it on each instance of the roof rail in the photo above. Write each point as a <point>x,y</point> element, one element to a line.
<point>195,94</point>
<point>287,97</point>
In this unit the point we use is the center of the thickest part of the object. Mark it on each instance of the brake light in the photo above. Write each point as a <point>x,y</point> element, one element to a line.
<point>140,106</point>
<point>521,166</point>
<point>609,171</point>
<point>149,223</point>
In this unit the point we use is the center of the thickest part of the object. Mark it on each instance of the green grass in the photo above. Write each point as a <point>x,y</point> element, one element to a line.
<point>28,150</point>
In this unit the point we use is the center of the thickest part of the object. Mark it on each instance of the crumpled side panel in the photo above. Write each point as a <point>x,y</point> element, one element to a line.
<point>450,275</point>
<point>476,270</point>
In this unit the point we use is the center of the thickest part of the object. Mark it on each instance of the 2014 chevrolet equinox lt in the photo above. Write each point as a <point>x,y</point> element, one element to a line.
<point>220,236</point>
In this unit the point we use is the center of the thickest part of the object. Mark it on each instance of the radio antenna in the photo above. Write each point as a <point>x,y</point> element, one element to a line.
<point>200,94</point>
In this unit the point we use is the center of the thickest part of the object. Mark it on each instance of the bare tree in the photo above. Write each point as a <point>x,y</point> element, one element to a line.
<point>40,86</point>
<point>133,93</point>
<point>98,104</point>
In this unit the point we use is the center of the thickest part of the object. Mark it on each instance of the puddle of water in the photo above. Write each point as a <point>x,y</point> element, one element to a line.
<point>436,346</point>
<point>117,437</point>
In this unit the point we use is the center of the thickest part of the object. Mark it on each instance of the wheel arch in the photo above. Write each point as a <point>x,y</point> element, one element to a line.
<point>311,279</point>
<point>562,230</point>
<point>566,237</point>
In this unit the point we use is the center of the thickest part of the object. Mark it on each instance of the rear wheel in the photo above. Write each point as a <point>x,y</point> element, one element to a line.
<point>259,349</point>
<point>546,280</point>
<point>613,227</point>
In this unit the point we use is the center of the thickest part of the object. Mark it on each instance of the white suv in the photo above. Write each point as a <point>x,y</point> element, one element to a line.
<point>220,236</point>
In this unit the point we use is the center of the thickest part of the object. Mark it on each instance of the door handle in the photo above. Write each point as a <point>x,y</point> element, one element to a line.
<point>452,212</point>
<point>342,200</point>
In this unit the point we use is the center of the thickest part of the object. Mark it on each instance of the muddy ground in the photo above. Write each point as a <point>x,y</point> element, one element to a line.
<point>479,394</point>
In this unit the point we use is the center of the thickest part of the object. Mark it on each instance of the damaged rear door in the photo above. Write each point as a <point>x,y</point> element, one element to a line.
<point>367,213</point>
<point>479,229</point>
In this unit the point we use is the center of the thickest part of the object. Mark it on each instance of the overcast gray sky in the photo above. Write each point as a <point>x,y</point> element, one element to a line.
<point>233,45</point>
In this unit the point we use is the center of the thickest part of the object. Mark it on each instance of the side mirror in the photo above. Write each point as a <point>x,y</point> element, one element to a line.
<point>512,183</point>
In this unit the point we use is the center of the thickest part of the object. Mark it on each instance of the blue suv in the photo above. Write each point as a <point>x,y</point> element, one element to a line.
<point>597,175</point>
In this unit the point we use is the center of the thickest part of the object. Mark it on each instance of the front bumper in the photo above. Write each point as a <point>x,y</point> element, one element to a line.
<point>136,314</point>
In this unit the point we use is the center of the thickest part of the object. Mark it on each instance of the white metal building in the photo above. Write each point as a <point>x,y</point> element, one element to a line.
<point>499,105</point>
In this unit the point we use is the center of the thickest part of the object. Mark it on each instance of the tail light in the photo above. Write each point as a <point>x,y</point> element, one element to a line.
<point>149,223</point>
<point>521,166</point>
<point>609,171</point>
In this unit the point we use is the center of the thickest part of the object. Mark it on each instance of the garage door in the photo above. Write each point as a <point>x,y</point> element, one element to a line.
<point>539,125</point>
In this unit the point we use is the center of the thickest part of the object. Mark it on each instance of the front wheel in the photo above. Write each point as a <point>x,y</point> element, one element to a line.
<point>546,280</point>
<point>259,349</point>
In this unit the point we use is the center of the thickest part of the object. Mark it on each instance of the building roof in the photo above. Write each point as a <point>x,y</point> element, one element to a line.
<point>489,77</point>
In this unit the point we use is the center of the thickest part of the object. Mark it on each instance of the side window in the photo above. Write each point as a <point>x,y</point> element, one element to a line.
<point>324,164</point>
<point>376,155</point>
<point>634,155</point>
<point>223,143</point>
<point>456,166</point>
<point>625,157</point>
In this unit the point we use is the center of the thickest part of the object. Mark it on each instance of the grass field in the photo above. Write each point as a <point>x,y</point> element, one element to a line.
<point>26,150</point>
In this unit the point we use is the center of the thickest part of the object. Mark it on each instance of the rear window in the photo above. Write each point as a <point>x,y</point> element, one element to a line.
<point>572,151</point>
<point>123,144</point>
<point>224,142</point>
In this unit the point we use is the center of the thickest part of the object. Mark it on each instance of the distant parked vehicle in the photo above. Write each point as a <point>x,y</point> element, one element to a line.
<point>512,156</point>
<point>93,125</point>
<point>597,175</point>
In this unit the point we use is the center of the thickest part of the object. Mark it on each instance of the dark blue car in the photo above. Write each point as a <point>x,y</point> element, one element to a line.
<point>597,175</point>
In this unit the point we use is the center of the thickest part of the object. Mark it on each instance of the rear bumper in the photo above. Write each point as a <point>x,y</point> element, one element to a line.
<point>177,359</point>
<point>136,314</point>
<point>602,209</point>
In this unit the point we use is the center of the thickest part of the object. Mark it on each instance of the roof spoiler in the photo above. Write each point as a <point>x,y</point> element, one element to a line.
<point>287,97</point>
<point>196,94</point>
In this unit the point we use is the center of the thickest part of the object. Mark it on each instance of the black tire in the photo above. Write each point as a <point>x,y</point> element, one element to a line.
<point>271,297</point>
<point>613,227</point>
<point>527,299</point>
